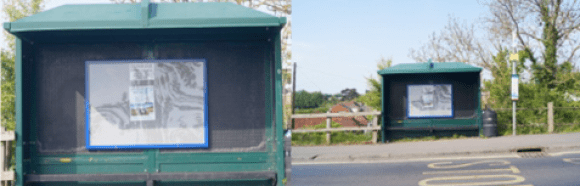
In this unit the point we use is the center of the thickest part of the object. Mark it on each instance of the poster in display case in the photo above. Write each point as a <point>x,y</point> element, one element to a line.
<point>430,101</point>
<point>146,104</point>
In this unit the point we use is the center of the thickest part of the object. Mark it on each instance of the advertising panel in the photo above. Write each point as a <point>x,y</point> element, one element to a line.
<point>146,104</point>
<point>429,101</point>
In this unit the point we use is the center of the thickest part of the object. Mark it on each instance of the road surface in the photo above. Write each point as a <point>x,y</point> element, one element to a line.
<point>532,169</point>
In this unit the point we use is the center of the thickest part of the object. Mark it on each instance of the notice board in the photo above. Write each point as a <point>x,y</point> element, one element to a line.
<point>430,101</point>
<point>146,104</point>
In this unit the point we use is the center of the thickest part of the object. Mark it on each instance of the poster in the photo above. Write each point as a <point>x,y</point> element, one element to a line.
<point>429,101</point>
<point>142,103</point>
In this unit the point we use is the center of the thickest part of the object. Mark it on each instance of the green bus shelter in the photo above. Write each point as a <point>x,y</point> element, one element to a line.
<point>149,94</point>
<point>421,99</point>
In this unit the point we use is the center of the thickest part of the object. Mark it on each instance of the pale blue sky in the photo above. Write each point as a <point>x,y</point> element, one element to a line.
<point>336,43</point>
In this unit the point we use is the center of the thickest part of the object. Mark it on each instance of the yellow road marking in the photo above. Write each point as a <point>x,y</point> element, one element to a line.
<point>516,179</point>
<point>444,165</point>
<point>512,168</point>
<point>572,160</point>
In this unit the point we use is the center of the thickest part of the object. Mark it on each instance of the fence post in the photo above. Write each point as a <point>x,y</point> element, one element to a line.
<point>375,124</point>
<point>550,117</point>
<point>328,126</point>
<point>2,154</point>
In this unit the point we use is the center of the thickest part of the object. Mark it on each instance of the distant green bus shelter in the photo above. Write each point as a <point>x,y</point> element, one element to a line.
<point>422,99</point>
<point>149,94</point>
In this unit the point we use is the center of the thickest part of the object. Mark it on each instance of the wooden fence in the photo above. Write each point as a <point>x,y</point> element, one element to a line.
<point>549,116</point>
<point>374,126</point>
<point>6,175</point>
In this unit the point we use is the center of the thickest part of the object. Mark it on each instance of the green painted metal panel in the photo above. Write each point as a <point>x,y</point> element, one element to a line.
<point>92,169</point>
<point>383,111</point>
<point>91,164</point>
<point>279,108</point>
<point>411,123</point>
<point>218,183</point>
<point>145,15</point>
<point>91,160</point>
<point>479,111</point>
<point>453,122</point>
<point>129,183</point>
<point>241,157</point>
<point>212,167</point>
<point>415,68</point>
<point>19,132</point>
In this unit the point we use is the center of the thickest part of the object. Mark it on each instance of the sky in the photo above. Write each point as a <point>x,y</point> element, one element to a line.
<point>337,43</point>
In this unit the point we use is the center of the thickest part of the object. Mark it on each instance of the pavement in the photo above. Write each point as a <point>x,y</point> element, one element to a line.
<point>464,148</point>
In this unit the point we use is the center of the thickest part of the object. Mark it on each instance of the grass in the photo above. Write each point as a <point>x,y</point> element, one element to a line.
<point>542,129</point>
<point>336,138</point>
<point>429,138</point>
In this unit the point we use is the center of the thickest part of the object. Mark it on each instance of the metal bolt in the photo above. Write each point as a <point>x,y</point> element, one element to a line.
<point>157,170</point>
<point>145,170</point>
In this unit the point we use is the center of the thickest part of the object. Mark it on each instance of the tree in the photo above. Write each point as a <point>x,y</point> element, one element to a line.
<point>546,33</point>
<point>547,30</point>
<point>349,94</point>
<point>373,97</point>
<point>13,10</point>
<point>306,99</point>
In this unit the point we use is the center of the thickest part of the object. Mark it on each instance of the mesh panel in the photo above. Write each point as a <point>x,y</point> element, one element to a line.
<point>236,85</point>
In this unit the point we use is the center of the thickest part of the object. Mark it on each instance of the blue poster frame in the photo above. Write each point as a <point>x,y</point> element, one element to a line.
<point>430,116</point>
<point>146,146</point>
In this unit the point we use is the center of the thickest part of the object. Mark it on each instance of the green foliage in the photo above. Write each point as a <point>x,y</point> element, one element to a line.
<point>349,94</point>
<point>429,138</point>
<point>533,95</point>
<point>322,109</point>
<point>8,91</point>
<point>306,99</point>
<point>373,97</point>
<point>13,10</point>
<point>319,138</point>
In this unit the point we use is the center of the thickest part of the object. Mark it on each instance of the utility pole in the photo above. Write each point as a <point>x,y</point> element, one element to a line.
<point>515,81</point>
<point>293,93</point>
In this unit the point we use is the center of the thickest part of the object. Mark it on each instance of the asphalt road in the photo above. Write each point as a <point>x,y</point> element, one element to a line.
<point>561,170</point>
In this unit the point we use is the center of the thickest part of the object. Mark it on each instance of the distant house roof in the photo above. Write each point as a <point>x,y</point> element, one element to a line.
<point>414,68</point>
